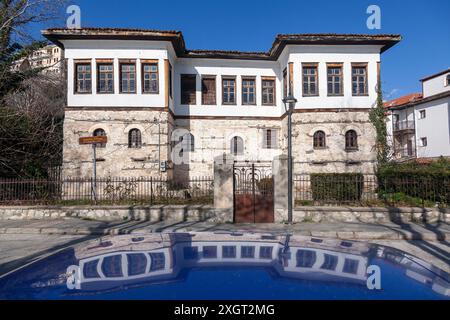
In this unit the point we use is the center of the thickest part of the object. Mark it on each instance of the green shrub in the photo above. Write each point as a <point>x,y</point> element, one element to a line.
<point>427,182</point>
<point>337,187</point>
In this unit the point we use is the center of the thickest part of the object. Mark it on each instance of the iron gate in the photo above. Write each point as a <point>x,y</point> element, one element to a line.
<point>253,193</point>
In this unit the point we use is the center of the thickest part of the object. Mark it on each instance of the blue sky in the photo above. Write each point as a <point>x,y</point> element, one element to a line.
<point>252,26</point>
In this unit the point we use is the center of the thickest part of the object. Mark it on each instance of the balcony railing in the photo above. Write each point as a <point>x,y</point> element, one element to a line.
<point>404,125</point>
<point>400,153</point>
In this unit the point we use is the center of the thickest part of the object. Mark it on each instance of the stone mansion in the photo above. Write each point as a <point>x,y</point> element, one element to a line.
<point>153,98</point>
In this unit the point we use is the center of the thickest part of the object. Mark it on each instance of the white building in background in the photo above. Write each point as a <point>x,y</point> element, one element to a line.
<point>419,123</point>
<point>138,86</point>
<point>50,58</point>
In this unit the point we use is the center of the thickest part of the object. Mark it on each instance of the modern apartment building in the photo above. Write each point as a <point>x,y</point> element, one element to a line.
<point>419,123</point>
<point>155,100</point>
<point>50,58</point>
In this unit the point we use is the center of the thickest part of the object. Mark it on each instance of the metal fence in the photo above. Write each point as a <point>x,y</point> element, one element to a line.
<point>73,191</point>
<point>368,190</point>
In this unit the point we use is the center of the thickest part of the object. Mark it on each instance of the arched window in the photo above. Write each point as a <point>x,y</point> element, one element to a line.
<point>134,139</point>
<point>100,133</point>
<point>188,142</point>
<point>351,140</point>
<point>237,146</point>
<point>319,140</point>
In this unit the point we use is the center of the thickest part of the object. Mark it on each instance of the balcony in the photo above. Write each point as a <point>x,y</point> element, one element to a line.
<point>404,153</point>
<point>404,126</point>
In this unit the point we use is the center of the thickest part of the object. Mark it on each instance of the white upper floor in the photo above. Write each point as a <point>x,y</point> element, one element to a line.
<point>142,68</point>
<point>436,84</point>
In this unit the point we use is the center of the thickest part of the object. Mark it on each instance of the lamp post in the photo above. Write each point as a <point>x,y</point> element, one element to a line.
<point>289,105</point>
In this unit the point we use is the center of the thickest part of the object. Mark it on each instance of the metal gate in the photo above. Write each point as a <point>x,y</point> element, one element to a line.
<point>253,193</point>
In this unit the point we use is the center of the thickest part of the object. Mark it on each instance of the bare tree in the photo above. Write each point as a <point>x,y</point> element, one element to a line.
<point>31,127</point>
<point>17,15</point>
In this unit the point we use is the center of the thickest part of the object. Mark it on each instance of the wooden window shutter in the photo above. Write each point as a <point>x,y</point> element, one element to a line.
<point>209,91</point>
<point>188,89</point>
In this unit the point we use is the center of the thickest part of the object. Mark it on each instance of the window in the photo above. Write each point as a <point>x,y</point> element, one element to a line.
<point>83,78</point>
<point>330,262</point>
<point>208,90</point>
<point>319,140</point>
<point>228,252</point>
<point>188,142</point>
<point>150,78</point>
<point>270,138</point>
<point>105,82</point>
<point>447,80</point>
<point>423,142</point>
<point>306,258</point>
<point>210,252</point>
<point>285,84</point>
<point>188,89</point>
<point>128,78</point>
<point>359,80</point>
<point>248,91</point>
<point>268,92</point>
<point>265,252</point>
<point>237,146</point>
<point>158,261</point>
<point>134,139</point>
<point>229,91</point>
<point>112,266</point>
<point>190,253</point>
<point>351,140</point>
<point>137,262</point>
<point>335,80</point>
<point>310,80</point>
<point>247,252</point>
<point>100,133</point>
<point>351,266</point>
<point>90,269</point>
<point>422,114</point>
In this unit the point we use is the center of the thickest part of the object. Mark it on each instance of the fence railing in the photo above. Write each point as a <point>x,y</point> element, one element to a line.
<point>368,190</point>
<point>404,125</point>
<point>74,191</point>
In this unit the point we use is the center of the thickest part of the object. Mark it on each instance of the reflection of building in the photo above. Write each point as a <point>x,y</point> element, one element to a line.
<point>50,58</point>
<point>127,260</point>
<point>417,269</point>
<point>419,123</point>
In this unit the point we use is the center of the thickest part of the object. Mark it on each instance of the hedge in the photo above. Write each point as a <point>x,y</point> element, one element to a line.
<point>425,181</point>
<point>329,187</point>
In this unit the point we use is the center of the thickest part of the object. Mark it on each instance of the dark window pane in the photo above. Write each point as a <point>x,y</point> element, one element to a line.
<point>137,262</point>
<point>112,266</point>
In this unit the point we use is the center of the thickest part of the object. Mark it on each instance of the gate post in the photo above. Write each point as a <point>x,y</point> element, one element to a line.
<point>223,188</point>
<point>280,188</point>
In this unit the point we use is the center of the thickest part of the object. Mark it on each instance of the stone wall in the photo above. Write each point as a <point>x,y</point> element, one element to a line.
<point>334,157</point>
<point>116,159</point>
<point>222,215</point>
<point>116,213</point>
<point>368,215</point>
<point>213,138</point>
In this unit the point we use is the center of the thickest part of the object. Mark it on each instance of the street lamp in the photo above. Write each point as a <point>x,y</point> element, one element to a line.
<point>289,105</point>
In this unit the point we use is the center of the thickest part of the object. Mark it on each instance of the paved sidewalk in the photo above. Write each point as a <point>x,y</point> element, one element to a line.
<point>363,231</point>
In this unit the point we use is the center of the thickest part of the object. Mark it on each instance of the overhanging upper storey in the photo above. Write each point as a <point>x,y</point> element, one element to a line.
<point>385,41</point>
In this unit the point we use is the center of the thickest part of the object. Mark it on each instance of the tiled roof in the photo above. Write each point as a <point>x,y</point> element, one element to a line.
<point>176,37</point>
<point>413,97</point>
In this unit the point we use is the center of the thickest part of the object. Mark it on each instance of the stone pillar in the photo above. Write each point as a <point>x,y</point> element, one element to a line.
<point>280,185</point>
<point>223,188</point>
